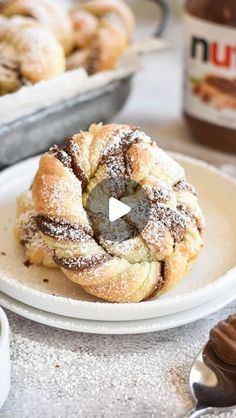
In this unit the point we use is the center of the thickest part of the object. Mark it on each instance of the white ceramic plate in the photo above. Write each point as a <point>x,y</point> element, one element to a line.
<point>118,327</point>
<point>4,358</point>
<point>213,273</point>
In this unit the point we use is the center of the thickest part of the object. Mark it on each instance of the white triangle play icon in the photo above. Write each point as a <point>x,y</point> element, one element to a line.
<point>117,209</point>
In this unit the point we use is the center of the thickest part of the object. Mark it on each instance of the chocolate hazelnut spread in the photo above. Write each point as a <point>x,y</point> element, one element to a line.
<point>82,263</point>
<point>62,230</point>
<point>210,72</point>
<point>226,86</point>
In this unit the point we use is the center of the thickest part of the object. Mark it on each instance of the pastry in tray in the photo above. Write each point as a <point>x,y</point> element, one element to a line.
<point>28,53</point>
<point>46,12</point>
<point>102,31</point>
<point>38,38</point>
<point>61,222</point>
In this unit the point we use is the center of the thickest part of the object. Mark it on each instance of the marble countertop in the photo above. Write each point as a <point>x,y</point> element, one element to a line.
<point>57,373</point>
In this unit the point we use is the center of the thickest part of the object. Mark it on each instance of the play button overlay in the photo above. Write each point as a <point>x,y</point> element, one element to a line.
<point>118,209</point>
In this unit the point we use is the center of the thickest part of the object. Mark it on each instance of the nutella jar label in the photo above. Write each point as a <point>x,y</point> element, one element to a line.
<point>210,72</point>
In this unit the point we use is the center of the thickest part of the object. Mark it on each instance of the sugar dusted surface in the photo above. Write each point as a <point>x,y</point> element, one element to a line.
<point>131,376</point>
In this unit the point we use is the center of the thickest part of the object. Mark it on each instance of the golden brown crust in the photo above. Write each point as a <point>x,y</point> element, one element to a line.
<point>48,13</point>
<point>57,191</point>
<point>131,270</point>
<point>28,53</point>
<point>85,26</point>
<point>103,28</point>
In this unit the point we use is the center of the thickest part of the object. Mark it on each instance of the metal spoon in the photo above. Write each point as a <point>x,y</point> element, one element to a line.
<point>212,382</point>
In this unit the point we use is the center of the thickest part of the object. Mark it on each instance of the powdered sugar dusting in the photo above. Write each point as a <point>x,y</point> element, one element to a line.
<point>182,185</point>
<point>38,53</point>
<point>172,220</point>
<point>54,197</point>
<point>159,193</point>
<point>124,137</point>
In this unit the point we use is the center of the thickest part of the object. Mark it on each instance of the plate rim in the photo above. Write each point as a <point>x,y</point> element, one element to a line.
<point>116,327</point>
<point>146,306</point>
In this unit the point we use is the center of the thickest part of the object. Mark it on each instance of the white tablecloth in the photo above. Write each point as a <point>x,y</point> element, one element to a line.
<point>64,374</point>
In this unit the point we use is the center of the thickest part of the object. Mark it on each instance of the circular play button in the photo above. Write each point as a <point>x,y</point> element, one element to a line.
<point>118,209</point>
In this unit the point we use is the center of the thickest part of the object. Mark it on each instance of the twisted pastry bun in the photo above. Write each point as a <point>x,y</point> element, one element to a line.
<point>102,31</point>
<point>128,271</point>
<point>48,13</point>
<point>28,53</point>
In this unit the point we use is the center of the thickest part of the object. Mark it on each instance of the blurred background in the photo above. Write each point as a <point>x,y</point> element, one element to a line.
<point>154,102</point>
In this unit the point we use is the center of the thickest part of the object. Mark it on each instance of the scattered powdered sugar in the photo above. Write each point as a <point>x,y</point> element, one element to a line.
<point>54,197</point>
<point>156,238</point>
<point>26,222</point>
<point>172,220</point>
<point>38,51</point>
<point>122,138</point>
<point>158,193</point>
<point>133,376</point>
<point>126,246</point>
<point>182,185</point>
<point>169,170</point>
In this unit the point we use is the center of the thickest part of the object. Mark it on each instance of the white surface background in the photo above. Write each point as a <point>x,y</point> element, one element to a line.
<point>63,374</point>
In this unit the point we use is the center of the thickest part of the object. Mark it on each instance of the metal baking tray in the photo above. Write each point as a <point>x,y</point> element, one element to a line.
<point>36,132</point>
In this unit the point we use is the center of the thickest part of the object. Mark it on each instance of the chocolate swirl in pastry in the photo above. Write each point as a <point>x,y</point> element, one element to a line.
<point>152,260</point>
<point>63,230</point>
<point>82,263</point>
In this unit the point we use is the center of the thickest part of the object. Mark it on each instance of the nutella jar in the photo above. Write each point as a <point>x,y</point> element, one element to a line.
<point>210,72</point>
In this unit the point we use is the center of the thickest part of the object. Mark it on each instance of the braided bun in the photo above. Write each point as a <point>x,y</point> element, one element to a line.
<point>28,53</point>
<point>131,270</point>
<point>102,28</point>
<point>48,13</point>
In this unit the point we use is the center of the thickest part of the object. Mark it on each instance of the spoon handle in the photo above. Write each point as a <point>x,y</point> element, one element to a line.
<point>194,413</point>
